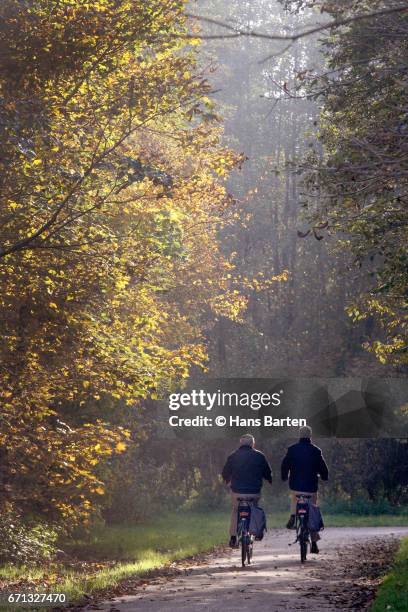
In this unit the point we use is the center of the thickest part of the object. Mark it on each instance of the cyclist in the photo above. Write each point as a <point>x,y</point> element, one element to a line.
<point>244,471</point>
<point>304,463</point>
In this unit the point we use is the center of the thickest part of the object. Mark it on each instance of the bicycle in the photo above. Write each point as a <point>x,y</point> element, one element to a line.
<point>245,538</point>
<point>301,525</point>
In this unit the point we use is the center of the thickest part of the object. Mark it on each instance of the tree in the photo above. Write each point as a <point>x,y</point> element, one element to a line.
<point>112,193</point>
<point>362,176</point>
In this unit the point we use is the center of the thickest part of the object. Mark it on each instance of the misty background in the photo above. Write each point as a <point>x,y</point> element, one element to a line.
<point>295,328</point>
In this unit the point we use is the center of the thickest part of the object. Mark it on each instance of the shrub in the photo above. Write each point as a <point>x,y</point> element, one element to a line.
<point>21,543</point>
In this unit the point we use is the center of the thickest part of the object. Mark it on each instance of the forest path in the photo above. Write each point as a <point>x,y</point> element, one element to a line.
<point>343,576</point>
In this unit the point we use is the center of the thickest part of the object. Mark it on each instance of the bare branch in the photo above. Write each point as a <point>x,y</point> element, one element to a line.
<point>237,32</point>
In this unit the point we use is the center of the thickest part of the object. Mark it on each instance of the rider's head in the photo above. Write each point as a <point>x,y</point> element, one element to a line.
<point>247,440</point>
<point>305,432</point>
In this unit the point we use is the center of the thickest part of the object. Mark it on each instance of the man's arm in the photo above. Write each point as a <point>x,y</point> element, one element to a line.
<point>285,466</point>
<point>227,470</point>
<point>267,472</point>
<point>322,468</point>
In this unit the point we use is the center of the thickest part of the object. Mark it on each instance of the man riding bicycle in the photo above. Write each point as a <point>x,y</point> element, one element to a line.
<point>244,471</point>
<point>304,463</point>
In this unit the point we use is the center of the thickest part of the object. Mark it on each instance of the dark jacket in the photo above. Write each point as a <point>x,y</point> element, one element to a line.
<point>304,463</point>
<point>245,468</point>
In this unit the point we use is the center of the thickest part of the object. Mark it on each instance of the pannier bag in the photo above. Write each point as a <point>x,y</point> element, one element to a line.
<point>315,520</point>
<point>257,522</point>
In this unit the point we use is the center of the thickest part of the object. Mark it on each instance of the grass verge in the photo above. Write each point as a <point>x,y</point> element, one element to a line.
<point>114,553</point>
<point>392,596</point>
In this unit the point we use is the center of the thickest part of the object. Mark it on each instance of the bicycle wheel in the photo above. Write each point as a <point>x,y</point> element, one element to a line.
<point>249,552</point>
<point>303,550</point>
<point>244,549</point>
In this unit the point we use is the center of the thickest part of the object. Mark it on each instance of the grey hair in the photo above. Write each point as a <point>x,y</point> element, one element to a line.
<point>247,440</point>
<point>305,432</point>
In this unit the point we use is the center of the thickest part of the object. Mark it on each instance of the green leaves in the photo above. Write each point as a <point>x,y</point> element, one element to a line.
<point>363,175</point>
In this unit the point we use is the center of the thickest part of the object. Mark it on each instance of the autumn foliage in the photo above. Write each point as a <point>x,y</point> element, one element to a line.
<point>112,194</point>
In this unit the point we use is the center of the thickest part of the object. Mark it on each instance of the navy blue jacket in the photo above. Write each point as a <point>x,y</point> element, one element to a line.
<point>245,468</point>
<point>304,463</point>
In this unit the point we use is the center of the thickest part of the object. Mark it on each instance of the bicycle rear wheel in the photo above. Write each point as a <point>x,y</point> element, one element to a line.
<point>303,551</point>
<point>244,549</point>
<point>249,552</point>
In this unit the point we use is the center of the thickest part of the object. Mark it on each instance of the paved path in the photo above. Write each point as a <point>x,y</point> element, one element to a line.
<point>277,581</point>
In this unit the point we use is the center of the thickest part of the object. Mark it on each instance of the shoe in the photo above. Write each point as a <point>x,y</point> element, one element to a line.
<point>291,522</point>
<point>233,541</point>
<point>314,549</point>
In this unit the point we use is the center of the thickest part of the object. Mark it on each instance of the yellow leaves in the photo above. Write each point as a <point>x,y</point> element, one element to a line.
<point>355,314</point>
<point>220,168</point>
<point>175,215</point>
<point>116,307</point>
<point>260,283</point>
<point>122,282</point>
<point>230,304</point>
<point>50,283</point>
